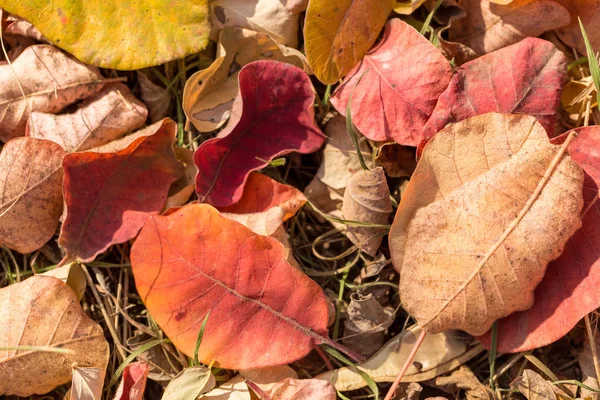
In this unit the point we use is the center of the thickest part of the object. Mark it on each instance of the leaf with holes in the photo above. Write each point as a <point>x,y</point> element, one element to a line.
<point>490,204</point>
<point>272,116</point>
<point>110,192</point>
<point>396,86</point>
<point>262,310</point>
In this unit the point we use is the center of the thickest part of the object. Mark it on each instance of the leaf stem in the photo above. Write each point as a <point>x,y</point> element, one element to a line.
<point>390,394</point>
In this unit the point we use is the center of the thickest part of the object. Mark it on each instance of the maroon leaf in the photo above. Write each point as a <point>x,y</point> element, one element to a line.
<point>109,193</point>
<point>402,78</point>
<point>569,289</point>
<point>272,116</point>
<point>525,78</point>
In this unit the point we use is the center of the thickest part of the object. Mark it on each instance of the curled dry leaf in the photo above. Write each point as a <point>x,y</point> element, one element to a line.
<point>208,94</point>
<point>31,199</point>
<point>106,116</point>
<point>19,26</point>
<point>156,98</point>
<point>189,384</point>
<point>278,19</point>
<point>439,354</point>
<point>398,161</point>
<point>525,78</point>
<point>182,189</point>
<point>87,383</point>
<point>340,160</point>
<point>265,205</point>
<point>43,312</point>
<point>533,386</point>
<point>262,311</point>
<point>50,79</point>
<point>118,35</point>
<point>367,200</point>
<point>463,379</point>
<point>110,192</point>
<point>568,290</point>
<point>272,116</point>
<point>133,383</point>
<point>589,12</point>
<point>486,26</point>
<point>303,389</point>
<point>395,87</point>
<point>490,204</point>
<point>337,34</point>
<point>233,389</point>
<point>367,314</point>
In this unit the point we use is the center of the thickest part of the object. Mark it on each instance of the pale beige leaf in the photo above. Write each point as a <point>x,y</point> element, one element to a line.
<point>31,199</point>
<point>156,98</point>
<point>439,354</point>
<point>208,94</point>
<point>266,378</point>
<point>189,384</point>
<point>533,386</point>
<point>87,383</point>
<point>43,312</point>
<point>50,80</point>
<point>367,200</point>
<point>106,116</point>
<point>273,17</point>
<point>302,389</point>
<point>487,27</point>
<point>340,161</point>
<point>490,204</point>
<point>233,389</point>
<point>72,275</point>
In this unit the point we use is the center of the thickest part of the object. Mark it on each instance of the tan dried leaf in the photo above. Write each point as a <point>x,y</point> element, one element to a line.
<point>464,379</point>
<point>367,200</point>
<point>50,80</point>
<point>31,199</point>
<point>533,386</point>
<point>43,312</point>
<point>406,7</point>
<point>439,354</point>
<point>87,383</point>
<point>302,389</point>
<point>208,94</point>
<point>156,98</point>
<point>490,204</point>
<point>340,161</point>
<point>266,378</point>
<point>106,116</point>
<point>182,189</point>
<point>72,275</point>
<point>233,389</point>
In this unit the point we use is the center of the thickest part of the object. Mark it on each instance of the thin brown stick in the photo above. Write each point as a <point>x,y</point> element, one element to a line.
<point>390,394</point>
<point>592,339</point>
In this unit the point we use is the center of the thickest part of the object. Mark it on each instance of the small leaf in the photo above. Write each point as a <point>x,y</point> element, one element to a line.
<point>233,389</point>
<point>156,98</point>
<point>338,34</point>
<point>406,7</point>
<point>303,389</point>
<point>273,116</point>
<point>133,383</point>
<point>367,200</point>
<point>119,35</point>
<point>43,312</point>
<point>189,384</point>
<point>533,386</point>
<point>263,311</point>
<point>87,383</point>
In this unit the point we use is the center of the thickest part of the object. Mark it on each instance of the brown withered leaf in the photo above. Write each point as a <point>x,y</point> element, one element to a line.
<point>367,314</point>
<point>487,26</point>
<point>43,313</point>
<point>589,12</point>
<point>490,204</point>
<point>464,379</point>
<point>50,80</point>
<point>397,160</point>
<point>533,386</point>
<point>156,98</point>
<point>106,116</point>
<point>367,200</point>
<point>31,192</point>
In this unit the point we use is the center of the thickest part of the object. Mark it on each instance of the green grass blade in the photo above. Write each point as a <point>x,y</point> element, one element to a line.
<point>592,61</point>
<point>427,22</point>
<point>368,379</point>
<point>199,340</point>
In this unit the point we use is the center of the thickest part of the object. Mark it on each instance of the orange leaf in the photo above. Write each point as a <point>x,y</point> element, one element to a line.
<point>262,311</point>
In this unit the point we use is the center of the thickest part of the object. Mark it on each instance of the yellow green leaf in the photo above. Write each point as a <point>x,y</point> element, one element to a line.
<point>406,7</point>
<point>121,35</point>
<point>338,33</point>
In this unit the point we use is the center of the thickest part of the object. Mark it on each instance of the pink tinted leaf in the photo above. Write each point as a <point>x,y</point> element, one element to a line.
<point>272,116</point>
<point>402,78</point>
<point>133,383</point>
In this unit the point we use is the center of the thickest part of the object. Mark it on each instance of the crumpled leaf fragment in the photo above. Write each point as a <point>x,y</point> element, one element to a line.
<point>43,312</point>
<point>273,116</point>
<point>106,116</point>
<point>337,34</point>
<point>398,161</point>
<point>156,98</point>
<point>31,200</point>
<point>367,200</point>
<point>50,79</point>
<point>208,94</point>
<point>464,379</point>
<point>396,86</point>
<point>533,386</point>
<point>453,246</point>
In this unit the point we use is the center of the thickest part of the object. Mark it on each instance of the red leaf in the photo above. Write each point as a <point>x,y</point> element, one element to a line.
<point>133,384</point>
<point>569,289</point>
<point>109,195</point>
<point>402,78</point>
<point>272,116</point>
<point>263,312</point>
<point>265,204</point>
<point>525,78</point>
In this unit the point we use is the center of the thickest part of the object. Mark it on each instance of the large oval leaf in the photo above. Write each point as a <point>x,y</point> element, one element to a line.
<point>262,310</point>
<point>121,35</point>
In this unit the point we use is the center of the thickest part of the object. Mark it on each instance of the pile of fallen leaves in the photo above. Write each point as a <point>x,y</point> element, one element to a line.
<point>195,199</point>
